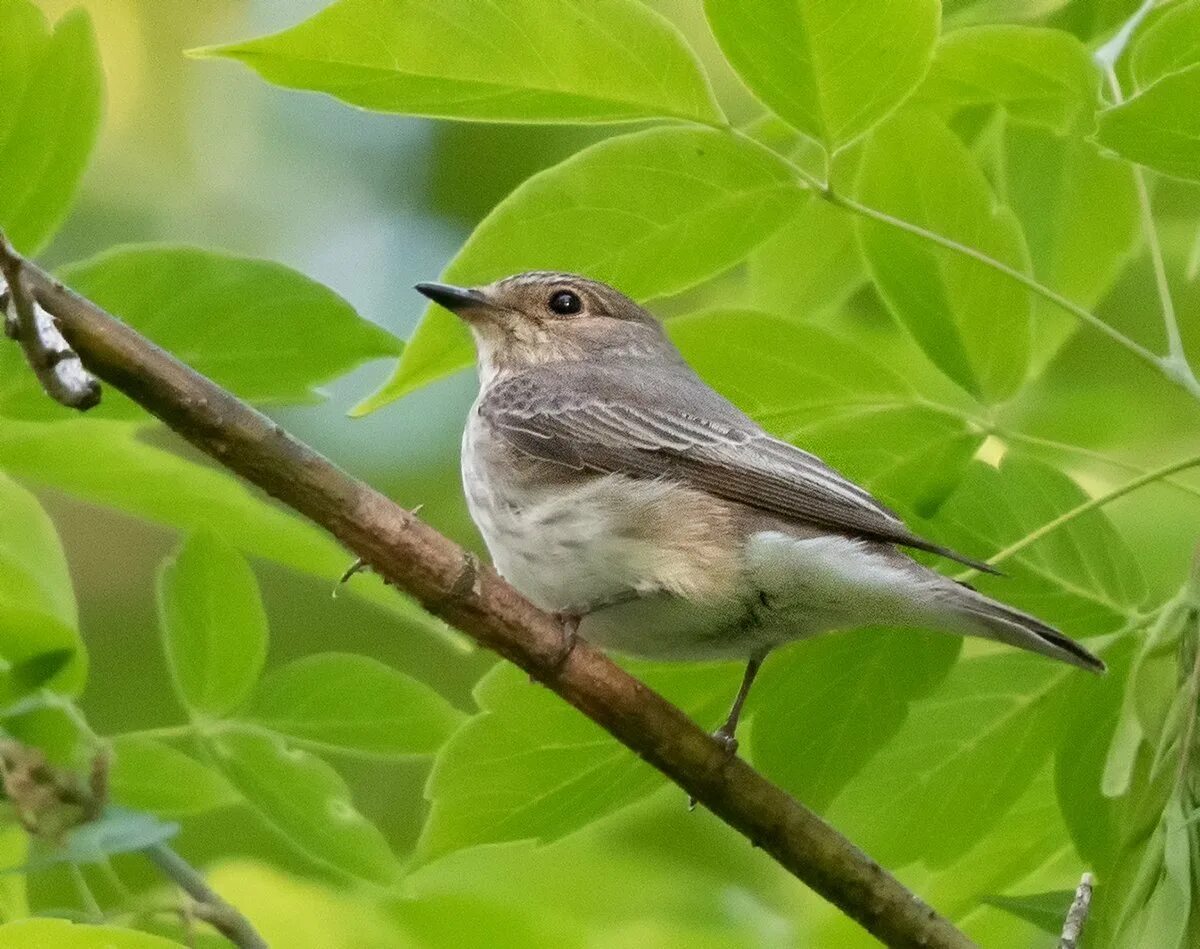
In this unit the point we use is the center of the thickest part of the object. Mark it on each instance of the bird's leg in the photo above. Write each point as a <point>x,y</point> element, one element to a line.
<point>726,733</point>
<point>570,635</point>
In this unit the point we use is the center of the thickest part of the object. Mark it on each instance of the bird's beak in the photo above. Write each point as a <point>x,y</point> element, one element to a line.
<point>454,299</point>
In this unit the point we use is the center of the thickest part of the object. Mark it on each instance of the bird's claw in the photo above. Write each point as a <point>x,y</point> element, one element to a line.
<point>726,740</point>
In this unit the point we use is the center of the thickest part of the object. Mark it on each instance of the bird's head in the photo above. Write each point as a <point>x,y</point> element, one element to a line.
<point>543,317</point>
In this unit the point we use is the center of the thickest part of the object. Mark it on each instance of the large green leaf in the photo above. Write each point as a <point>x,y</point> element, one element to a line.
<point>971,320</point>
<point>51,86</point>
<point>107,463</point>
<point>652,213</point>
<point>832,69</point>
<point>33,567</point>
<point>305,801</point>
<point>62,934</point>
<point>1170,44</point>
<point>152,776</point>
<point>822,708</point>
<point>1044,77</point>
<point>549,770</point>
<point>262,330</point>
<point>832,397</point>
<point>517,61</point>
<point>213,624</point>
<point>1159,127</point>
<point>348,703</point>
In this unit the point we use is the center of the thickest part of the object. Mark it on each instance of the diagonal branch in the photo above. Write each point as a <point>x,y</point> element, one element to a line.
<point>449,583</point>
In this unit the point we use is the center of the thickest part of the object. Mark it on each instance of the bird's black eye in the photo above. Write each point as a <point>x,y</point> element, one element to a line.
<point>564,302</point>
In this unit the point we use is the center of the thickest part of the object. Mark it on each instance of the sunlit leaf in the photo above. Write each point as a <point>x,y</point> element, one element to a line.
<point>62,934</point>
<point>152,776</point>
<point>831,69</point>
<point>651,213</point>
<point>39,650</point>
<point>305,801</point>
<point>520,61</point>
<point>213,624</point>
<point>1159,127</point>
<point>550,770</point>
<point>1170,44</point>
<point>51,86</point>
<point>973,322</point>
<point>832,397</point>
<point>14,852</point>
<point>1040,76</point>
<point>355,704</point>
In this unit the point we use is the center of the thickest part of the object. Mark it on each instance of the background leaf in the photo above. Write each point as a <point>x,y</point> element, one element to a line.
<point>213,623</point>
<point>52,86</point>
<point>652,213</point>
<point>524,61</point>
<point>305,801</point>
<point>33,567</point>
<point>152,776</point>
<point>348,703</point>
<point>972,322</point>
<point>830,69</point>
<point>1159,127</point>
<point>62,934</point>
<point>1169,44</point>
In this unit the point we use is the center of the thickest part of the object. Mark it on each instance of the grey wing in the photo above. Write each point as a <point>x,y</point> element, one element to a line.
<point>604,427</point>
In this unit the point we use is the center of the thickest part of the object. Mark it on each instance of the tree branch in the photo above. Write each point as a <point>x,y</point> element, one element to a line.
<point>1077,915</point>
<point>445,579</point>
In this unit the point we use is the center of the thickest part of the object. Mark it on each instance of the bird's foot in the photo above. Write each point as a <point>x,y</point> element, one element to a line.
<point>725,737</point>
<point>570,636</point>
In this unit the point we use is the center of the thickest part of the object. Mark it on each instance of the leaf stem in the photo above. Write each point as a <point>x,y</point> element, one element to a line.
<point>165,731</point>
<point>209,905</point>
<point>1093,504</point>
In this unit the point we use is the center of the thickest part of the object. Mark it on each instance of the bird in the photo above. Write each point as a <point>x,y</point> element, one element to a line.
<point>614,487</point>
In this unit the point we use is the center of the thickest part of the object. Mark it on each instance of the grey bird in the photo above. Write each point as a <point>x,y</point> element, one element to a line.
<point>613,486</point>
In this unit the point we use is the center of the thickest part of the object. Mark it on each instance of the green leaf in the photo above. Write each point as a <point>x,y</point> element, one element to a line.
<point>305,801</point>
<point>1039,76</point>
<point>62,934</point>
<point>38,650</point>
<point>822,708</point>
<point>830,69</point>
<point>1170,44</point>
<point>521,61</point>
<point>1159,127</point>
<point>107,463</point>
<point>972,321</point>
<point>550,770</point>
<point>262,330</point>
<point>14,852</point>
<point>832,397</point>
<point>1045,910</point>
<point>52,86</point>
<point>33,567</point>
<point>213,625</point>
<point>652,213</point>
<point>348,703</point>
<point>810,265</point>
<point>151,776</point>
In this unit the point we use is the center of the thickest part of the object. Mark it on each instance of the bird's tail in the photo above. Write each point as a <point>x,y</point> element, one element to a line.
<point>970,612</point>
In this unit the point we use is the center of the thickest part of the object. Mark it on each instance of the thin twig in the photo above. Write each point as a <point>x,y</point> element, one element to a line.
<point>209,905</point>
<point>415,558</point>
<point>1077,914</point>
<point>54,363</point>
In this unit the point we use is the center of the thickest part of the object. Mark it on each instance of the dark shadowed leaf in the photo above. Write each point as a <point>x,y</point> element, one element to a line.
<point>520,61</point>
<point>1045,910</point>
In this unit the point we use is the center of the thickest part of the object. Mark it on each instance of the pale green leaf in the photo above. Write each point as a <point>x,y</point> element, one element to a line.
<point>14,852</point>
<point>832,397</point>
<point>348,703</point>
<point>823,707</point>
<point>107,463</point>
<point>305,801</point>
<point>651,213</point>
<point>51,86</point>
<point>1040,76</point>
<point>549,770</point>
<point>62,934</point>
<point>1170,44</point>
<point>517,61</point>
<point>830,68</point>
<point>810,265</point>
<point>152,776</point>
<point>213,624</point>
<point>1159,127</point>
<point>972,321</point>
<point>33,567</point>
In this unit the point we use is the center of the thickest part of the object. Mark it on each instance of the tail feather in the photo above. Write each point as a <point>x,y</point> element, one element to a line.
<point>994,620</point>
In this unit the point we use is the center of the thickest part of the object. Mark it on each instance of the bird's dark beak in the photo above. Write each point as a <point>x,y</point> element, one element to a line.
<point>454,299</point>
